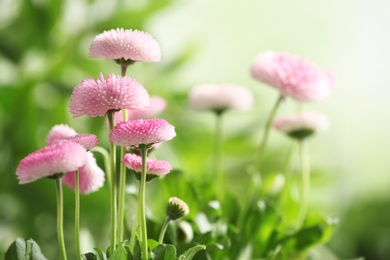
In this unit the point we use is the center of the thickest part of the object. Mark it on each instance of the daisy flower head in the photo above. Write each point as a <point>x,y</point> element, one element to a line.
<point>51,160</point>
<point>176,208</point>
<point>64,133</point>
<point>219,97</point>
<point>154,168</point>
<point>300,126</point>
<point>141,131</point>
<point>91,177</point>
<point>97,97</point>
<point>129,45</point>
<point>292,76</point>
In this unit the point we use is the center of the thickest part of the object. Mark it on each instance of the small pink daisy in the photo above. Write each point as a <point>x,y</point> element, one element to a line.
<point>91,177</point>
<point>219,97</point>
<point>51,160</point>
<point>96,97</point>
<point>64,133</point>
<point>154,168</point>
<point>293,76</point>
<point>124,44</point>
<point>302,125</point>
<point>141,131</point>
<point>157,105</point>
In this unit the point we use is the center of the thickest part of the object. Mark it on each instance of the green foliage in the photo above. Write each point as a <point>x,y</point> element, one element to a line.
<point>24,249</point>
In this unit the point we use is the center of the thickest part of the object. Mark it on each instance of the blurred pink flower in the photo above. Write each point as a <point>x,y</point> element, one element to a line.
<point>51,160</point>
<point>96,97</point>
<point>219,97</point>
<point>302,125</point>
<point>91,177</point>
<point>157,105</point>
<point>153,167</point>
<point>141,131</point>
<point>124,44</point>
<point>64,133</point>
<point>293,76</point>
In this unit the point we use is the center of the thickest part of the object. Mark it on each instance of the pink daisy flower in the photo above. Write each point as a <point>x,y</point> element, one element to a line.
<point>157,105</point>
<point>64,133</point>
<point>154,168</point>
<point>51,160</point>
<point>141,131</point>
<point>124,44</point>
<point>293,76</point>
<point>219,97</point>
<point>302,125</point>
<point>96,97</point>
<point>91,177</point>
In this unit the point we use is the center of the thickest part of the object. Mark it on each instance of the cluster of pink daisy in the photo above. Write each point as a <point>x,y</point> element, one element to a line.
<point>66,152</point>
<point>68,158</point>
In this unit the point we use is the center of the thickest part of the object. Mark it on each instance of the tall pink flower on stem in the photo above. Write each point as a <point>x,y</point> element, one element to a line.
<point>97,97</point>
<point>219,98</point>
<point>106,96</point>
<point>142,133</point>
<point>154,168</point>
<point>300,127</point>
<point>53,161</point>
<point>292,76</point>
<point>87,178</point>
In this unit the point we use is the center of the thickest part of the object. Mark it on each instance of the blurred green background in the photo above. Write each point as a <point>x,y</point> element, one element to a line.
<point>44,55</point>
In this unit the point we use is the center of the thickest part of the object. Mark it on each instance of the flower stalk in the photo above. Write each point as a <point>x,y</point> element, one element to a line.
<point>305,186</point>
<point>164,229</point>
<point>113,193</point>
<point>260,152</point>
<point>141,206</point>
<point>77,214</point>
<point>60,218</point>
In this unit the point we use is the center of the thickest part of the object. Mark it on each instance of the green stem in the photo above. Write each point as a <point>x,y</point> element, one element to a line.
<point>256,169</point>
<point>122,189</point>
<point>260,152</point>
<point>144,242</point>
<point>305,188</point>
<point>163,230</point>
<point>106,159</point>
<point>134,232</point>
<point>77,214</point>
<point>60,218</point>
<point>113,195</point>
<point>218,154</point>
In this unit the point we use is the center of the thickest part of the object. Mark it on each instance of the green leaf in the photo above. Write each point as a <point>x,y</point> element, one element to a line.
<point>190,253</point>
<point>152,244</point>
<point>89,256</point>
<point>100,253</point>
<point>317,230</point>
<point>164,252</point>
<point>24,249</point>
<point>119,253</point>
